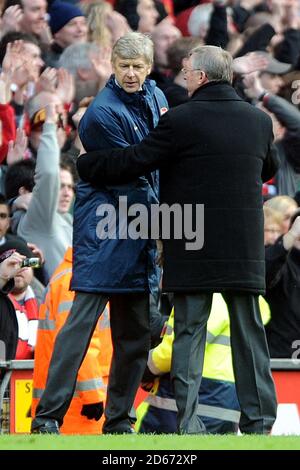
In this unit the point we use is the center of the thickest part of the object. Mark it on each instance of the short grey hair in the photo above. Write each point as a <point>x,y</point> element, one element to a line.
<point>78,56</point>
<point>214,61</point>
<point>133,45</point>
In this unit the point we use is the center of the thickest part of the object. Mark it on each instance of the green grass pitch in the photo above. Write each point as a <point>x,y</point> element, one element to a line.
<point>148,442</point>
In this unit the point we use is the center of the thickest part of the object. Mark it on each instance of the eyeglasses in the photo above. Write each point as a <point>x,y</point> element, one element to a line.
<point>185,70</point>
<point>272,230</point>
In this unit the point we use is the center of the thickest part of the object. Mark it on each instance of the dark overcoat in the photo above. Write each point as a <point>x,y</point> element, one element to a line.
<point>214,150</point>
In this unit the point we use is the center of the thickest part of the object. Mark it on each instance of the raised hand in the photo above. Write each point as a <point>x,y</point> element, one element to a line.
<point>17,148</point>
<point>5,91</point>
<point>253,86</point>
<point>13,57</point>
<point>249,63</point>
<point>47,80</point>
<point>65,86</point>
<point>102,65</point>
<point>11,19</point>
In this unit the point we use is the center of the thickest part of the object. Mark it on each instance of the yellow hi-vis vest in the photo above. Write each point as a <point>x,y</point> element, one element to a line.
<point>217,359</point>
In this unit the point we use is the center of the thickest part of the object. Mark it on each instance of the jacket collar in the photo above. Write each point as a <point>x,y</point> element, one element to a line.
<point>216,91</point>
<point>132,98</point>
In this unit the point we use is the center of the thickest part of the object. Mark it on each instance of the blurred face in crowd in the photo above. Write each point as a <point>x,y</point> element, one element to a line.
<point>271,82</point>
<point>33,20</point>
<point>66,191</point>
<point>164,34</point>
<point>148,15</point>
<point>4,220</point>
<point>131,73</point>
<point>288,214</point>
<point>74,32</point>
<point>272,231</point>
<point>22,281</point>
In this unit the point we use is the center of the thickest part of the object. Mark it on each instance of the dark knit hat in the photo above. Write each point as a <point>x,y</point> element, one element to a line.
<point>61,13</point>
<point>14,244</point>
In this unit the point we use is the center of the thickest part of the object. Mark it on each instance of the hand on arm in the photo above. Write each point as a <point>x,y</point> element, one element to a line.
<point>116,166</point>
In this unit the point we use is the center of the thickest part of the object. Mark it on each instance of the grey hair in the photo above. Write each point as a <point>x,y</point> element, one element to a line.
<point>78,56</point>
<point>214,61</point>
<point>133,45</point>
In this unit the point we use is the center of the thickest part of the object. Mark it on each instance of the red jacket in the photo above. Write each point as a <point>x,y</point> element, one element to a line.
<point>7,117</point>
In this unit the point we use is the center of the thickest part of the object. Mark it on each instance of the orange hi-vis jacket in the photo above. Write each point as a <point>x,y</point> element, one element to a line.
<point>93,373</point>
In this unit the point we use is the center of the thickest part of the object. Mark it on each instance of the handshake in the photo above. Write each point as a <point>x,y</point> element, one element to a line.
<point>93,410</point>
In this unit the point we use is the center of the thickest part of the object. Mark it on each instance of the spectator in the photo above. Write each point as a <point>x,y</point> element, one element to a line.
<point>286,128</point>
<point>29,16</point>
<point>273,225</point>
<point>141,15</point>
<point>36,214</point>
<point>286,206</point>
<point>68,26</point>
<point>282,293</point>
<point>90,67</point>
<point>163,35</point>
<point>105,25</point>
<point>9,267</point>
<point>23,298</point>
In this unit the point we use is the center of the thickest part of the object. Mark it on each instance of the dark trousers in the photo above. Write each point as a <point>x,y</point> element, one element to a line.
<point>251,362</point>
<point>129,319</point>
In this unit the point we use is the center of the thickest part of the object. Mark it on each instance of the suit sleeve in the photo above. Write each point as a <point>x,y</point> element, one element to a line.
<point>115,166</point>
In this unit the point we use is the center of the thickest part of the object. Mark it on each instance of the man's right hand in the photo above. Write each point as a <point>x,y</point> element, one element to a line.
<point>92,410</point>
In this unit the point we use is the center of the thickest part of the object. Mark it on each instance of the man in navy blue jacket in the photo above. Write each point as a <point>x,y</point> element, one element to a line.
<point>119,269</point>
